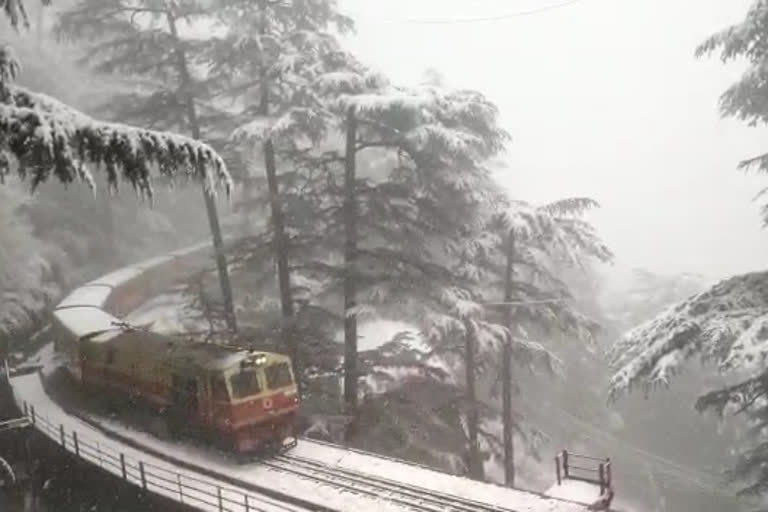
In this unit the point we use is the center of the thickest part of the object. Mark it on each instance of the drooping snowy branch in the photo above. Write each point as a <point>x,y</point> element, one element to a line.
<point>727,325</point>
<point>48,138</point>
<point>747,99</point>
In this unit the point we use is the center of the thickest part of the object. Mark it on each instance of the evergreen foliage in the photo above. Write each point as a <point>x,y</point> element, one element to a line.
<point>29,268</point>
<point>42,137</point>
<point>725,324</point>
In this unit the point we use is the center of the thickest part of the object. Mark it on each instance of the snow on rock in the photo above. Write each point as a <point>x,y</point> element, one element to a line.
<point>726,324</point>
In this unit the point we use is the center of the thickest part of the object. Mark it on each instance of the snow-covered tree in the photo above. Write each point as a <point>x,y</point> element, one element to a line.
<point>269,56</point>
<point>650,293</point>
<point>157,42</point>
<point>28,280</point>
<point>16,12</point>
<point>41,137</point>
<point>529,247</point>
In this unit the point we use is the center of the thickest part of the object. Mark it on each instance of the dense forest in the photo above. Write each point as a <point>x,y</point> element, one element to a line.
<point>352,200</point>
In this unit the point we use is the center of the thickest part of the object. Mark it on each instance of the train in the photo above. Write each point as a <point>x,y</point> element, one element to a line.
<point>239,398</point>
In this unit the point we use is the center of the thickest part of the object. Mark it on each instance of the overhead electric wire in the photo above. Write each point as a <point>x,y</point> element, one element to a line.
<point>482,19</point>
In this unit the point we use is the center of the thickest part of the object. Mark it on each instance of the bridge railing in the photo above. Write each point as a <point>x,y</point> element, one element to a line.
<point>177,486</point>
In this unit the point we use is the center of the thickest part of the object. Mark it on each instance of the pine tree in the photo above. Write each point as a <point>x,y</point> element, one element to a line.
<point>268,57</point>
<point>144,39</point>
<point>40,136</point>
<point>554,230</point>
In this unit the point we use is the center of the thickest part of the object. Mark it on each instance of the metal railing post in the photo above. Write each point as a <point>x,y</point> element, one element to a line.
<point>601,477</point>
<point>32,413</point>
<point>557,470</point>
<point>247,506</point>
<point>221,501</point>
<point>77,445</point>
<point>565,464</point>
<point>122,467</point>
<point>181,491</point>
<point>143,476</point>
<point>25,408</point>
<point>608,476</point>
<point>61,432</point>
<point>98,454</point>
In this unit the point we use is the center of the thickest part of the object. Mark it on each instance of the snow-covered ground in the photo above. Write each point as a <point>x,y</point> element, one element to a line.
<point>585,492</point>
<point>575,490</point>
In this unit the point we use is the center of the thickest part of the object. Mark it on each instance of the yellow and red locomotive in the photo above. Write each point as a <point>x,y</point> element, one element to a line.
<point>242,399</point>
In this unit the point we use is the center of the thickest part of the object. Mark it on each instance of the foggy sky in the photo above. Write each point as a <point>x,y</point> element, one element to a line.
<point>603,98</point>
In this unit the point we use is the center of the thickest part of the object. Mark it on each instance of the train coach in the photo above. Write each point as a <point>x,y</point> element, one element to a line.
<point>236,397</point>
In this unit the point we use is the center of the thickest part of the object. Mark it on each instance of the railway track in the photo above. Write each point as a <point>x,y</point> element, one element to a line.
<point>416,498</point>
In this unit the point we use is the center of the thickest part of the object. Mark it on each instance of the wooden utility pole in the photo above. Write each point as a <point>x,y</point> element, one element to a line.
<point>279,239</point>
<point>506,367</point>
<point>473,416</point>
<point>350,274</point>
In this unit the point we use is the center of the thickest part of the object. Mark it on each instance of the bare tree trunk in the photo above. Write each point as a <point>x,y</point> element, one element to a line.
<point>280,244</point>
<point>473,419</point>
<point>506,369</point>
<point>210,204</point>
<point>280,241</point>
<point>350,285</point>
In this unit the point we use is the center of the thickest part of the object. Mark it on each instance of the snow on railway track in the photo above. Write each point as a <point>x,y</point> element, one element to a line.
<point>398,492</point>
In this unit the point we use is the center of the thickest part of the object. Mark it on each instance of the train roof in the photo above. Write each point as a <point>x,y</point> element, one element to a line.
<point>182,351</point>
<point>213,356</point>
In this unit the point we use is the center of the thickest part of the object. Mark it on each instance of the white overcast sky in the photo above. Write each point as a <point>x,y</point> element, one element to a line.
<point>603,98</point>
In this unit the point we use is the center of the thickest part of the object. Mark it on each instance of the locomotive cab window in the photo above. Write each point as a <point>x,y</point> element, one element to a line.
<point>278,376</point>
<point>245,383</point>
<point>219,389</point>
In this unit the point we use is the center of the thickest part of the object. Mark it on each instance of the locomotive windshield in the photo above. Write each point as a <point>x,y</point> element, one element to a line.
<point>278,375</point>
<point>219,388</point>
<point>245,383</point>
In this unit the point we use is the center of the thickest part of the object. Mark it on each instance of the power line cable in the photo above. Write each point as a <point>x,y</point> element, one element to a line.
<point>481,19</point>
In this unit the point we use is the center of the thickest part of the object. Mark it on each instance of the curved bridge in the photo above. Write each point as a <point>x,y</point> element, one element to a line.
<point>313,476</point>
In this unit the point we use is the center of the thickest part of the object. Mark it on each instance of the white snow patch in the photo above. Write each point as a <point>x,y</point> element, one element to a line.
<point>85,320</point>
<point>88,295</point>
<point>575,490</point>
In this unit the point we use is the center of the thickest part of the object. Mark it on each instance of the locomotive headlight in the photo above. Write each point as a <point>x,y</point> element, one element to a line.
<point>261,359</point>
